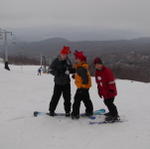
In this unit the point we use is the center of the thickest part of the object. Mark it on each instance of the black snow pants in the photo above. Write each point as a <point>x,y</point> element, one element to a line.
<point>82,95</point>
<point>58,91</point>
<point>111,106</point>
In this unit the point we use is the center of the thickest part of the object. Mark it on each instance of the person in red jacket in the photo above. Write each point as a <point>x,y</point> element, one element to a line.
<point>106,88</point>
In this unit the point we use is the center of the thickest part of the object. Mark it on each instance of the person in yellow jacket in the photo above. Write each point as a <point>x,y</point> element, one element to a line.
<point>83,82</point>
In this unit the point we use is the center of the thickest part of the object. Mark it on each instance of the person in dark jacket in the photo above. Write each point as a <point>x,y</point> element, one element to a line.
<point>39,71</point>
<point>61,68</point>
<point>83,82</point>
<point>106,88</point>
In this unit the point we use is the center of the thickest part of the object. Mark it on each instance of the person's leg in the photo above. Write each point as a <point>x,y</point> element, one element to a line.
<point>87,102</point>
<point>111,106</point>
<point>55,98</point>
<point>67,98</point>
<point>76,104</point>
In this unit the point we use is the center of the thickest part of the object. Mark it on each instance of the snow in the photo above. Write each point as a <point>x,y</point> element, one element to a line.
<point>23,92</point>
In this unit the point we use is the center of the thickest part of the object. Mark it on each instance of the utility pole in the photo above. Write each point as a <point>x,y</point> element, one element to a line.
<point>41,60</point>
<point>5,35</point>
<point>1,35</point>
<point>44,64</point>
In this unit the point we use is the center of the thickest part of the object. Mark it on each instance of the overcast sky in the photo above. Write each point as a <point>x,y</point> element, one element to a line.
<point>57,17</point>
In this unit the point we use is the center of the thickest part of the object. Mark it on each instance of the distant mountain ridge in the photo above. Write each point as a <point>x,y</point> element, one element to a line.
<point>129,59</point>
<point>52,46</point>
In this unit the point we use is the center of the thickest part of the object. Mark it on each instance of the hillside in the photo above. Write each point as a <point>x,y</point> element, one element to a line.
<point>50,47</point>
<point>22,92</point>
<point>129,59</point>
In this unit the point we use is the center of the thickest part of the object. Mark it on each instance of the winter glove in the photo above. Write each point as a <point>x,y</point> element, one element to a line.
<point>73,76</point>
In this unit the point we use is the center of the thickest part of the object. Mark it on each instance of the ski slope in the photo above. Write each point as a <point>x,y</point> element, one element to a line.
<point>22,92</point>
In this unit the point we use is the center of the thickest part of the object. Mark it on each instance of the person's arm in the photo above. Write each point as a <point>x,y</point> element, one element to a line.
<point>82,72</point>
<point>98,86</point>
<point>52,67</point>
<point>70,66</point>
<point>111,81</point>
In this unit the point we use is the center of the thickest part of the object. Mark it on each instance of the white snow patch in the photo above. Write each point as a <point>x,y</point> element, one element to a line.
<point>23,92</point>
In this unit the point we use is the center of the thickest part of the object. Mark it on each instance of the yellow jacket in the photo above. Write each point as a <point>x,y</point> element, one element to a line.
<point>82,75</point>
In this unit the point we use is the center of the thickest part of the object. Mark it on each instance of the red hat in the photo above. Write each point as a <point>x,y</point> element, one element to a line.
<point>79,55</point>
<point>65,50</point>
<point>97,60</point>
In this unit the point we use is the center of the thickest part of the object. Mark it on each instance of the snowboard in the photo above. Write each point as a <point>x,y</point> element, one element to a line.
<point>97,112</point>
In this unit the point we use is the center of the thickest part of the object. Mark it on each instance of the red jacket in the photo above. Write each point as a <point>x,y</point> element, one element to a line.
<point>105,83</point>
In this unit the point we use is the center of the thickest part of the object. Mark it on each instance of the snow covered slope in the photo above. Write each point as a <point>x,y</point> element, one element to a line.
<point>22,92</point>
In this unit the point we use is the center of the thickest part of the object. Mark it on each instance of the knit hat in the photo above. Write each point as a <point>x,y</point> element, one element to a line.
<point>79,55</point>
<point>97,60</point>
<point>65,50</point>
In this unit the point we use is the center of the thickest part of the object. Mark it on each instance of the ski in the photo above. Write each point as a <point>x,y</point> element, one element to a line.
<point>105,122</point>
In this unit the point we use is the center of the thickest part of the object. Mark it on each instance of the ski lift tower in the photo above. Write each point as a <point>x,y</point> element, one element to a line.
<point>5,34</point>
<point>44,64</point>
